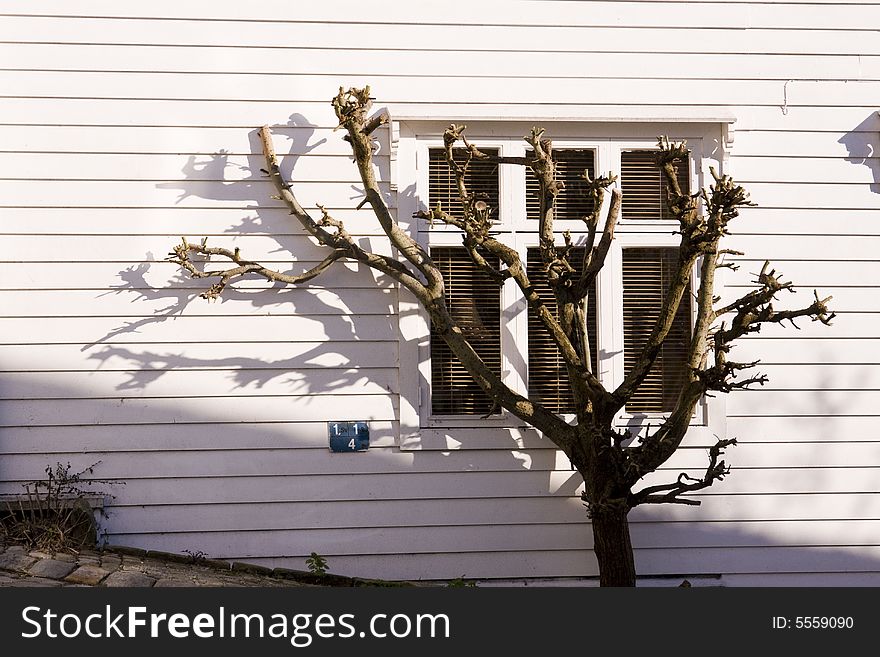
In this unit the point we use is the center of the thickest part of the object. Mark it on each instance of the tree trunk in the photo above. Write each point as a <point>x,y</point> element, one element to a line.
<point>613,546</point>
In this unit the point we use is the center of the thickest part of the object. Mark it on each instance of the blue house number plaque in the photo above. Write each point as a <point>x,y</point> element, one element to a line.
<point>349,436</point>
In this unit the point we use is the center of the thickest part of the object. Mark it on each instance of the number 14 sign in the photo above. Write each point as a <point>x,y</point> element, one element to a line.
<point>349,436</point>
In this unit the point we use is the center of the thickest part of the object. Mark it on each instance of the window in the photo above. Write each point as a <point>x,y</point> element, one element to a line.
<point>474,301</point>
<point>644,186</point>
<point>481,178</point>
<point>570,167</point>
<point>623,302</point>
<point>646,277</point>
<point>547,376</point>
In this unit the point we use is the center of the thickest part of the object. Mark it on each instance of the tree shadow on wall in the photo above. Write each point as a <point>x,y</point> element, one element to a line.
<point>313,309</point>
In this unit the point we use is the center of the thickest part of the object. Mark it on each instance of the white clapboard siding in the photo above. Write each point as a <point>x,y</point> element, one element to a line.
<point>828,428</point>
<point>467,490</point>
<point>268,461</point>
<point>172,437</point>
<point>744,486</point>
<point>126,385</point>
<point>240,360</point>
<point>810,143</point>
<point>167,167</point>
<point>249,116</point>
<point>375,541</point>
<point>536,12</point>
<point>109,276</point>
<point>855,195</point>
<point>852,353</point>
<point>155,248</point>
<point>819,376</point>
<point>262,87</point>
<point>281,408</point>
<point>175,326</point>
<point>841,273</point>
<point>314,524</point>
<point>820,170</point>
<point>817,403</point>
<point>497,536</point>
<point>175,221</point>
<point>182,193</point>
<point>430,63</point>
<point>351,514</point>
<point>205,142</point>
<point>491,35</point>
<point>794,247</point>
<point>145,303</point>
<point>845,299</point>
<point>126,126</point>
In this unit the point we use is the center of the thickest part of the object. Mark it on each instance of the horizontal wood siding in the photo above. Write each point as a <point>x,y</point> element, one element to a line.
<point>124,126</point>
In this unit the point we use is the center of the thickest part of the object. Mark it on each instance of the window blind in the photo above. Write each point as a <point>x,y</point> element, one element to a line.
<point>572,203</point>
<point>481,177</point>
<point>646,276</point>
<point>548,379</point>
<point>474,300</point>
<point>644,186</point>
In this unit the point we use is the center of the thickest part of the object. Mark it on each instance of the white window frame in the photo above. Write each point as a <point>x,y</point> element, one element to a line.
<point>413,138</point>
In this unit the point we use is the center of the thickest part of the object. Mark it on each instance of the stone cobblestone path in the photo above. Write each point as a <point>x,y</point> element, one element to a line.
<point>129,567</point>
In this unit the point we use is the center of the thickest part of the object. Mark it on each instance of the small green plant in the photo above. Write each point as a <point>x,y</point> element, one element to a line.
<point>54,514</point>
<point>316,564</point>
<point>196,556</point>
<point>460,582</point>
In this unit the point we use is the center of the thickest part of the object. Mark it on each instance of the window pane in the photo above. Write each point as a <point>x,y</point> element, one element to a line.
<point>474,300</point>
<point>481,177</point>
<point>572,203</point>
<point>644,186</point>
<point>646,277</point>
<point>548,379</point>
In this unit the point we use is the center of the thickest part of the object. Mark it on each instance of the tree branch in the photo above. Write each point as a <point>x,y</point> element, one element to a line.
<point>669,493</point>
<point>340,239</point>
<point>594,257</point>
<point>180,255</point>
<point>351,109</point>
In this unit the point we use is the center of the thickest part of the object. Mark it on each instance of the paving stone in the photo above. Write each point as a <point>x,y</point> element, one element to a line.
<point>128,578</point>
<point>164,583</point>
<point>131,561</point>
<point>39,554</point>
<point>51,568</point>
<point>19,560</point>
<point>33,582</point>
<point>111,562</point>
<point>87,574</point>
<point>57,556</point>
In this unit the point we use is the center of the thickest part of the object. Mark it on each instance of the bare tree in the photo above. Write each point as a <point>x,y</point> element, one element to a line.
<point>611,461</point>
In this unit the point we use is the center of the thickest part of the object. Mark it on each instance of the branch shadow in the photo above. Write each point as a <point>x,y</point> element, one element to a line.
<point>208,179</point>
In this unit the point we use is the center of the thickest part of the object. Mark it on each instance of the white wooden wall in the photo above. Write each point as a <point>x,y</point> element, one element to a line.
<point>126,125</point>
